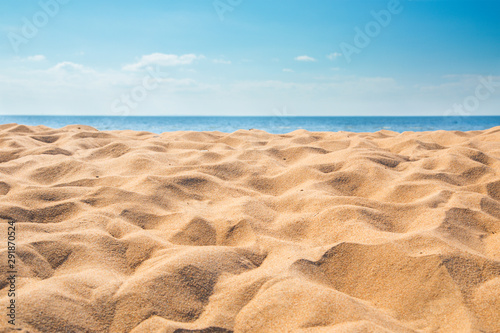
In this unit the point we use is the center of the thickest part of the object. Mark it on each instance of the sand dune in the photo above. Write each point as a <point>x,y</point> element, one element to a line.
<point>127,231</point>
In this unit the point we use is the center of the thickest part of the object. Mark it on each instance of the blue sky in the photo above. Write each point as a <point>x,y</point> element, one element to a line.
<point>250,57</point>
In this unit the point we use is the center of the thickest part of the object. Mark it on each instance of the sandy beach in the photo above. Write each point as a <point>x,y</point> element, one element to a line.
<point>309,232</point>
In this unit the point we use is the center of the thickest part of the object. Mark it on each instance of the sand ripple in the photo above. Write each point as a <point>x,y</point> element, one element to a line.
<point>127,231</point>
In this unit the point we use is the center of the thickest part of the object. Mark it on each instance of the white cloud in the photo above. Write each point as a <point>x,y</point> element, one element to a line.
<point>35,58</point>
<point>187,70</point>
<point>222,61</point>
<point>76,88</point>
<point>272,84</point>
<point>463,84</point>
<point>288,70</point>
<point>333,56</point>
<point>160,59</point>
<point>69,67</point>
<point>305,58</point>
<point>178,82</point>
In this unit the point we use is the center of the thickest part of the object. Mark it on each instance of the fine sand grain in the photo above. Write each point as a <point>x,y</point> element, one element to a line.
<point>126,231</point>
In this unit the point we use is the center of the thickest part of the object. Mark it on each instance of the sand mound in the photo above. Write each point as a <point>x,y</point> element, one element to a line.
<point>126,231</point>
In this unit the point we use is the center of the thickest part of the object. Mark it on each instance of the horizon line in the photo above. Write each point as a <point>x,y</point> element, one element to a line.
<point>252,116</point>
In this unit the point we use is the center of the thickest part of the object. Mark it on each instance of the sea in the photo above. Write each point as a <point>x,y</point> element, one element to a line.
<point>277,124</point>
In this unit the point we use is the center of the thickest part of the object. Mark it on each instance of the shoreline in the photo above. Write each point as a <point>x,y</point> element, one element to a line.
<point>280,123</point>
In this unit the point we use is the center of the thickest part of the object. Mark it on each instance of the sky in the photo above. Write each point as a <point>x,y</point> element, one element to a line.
<point>250,57</point>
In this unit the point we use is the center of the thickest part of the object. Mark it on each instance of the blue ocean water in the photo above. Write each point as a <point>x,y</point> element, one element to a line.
<point>269,124</point>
